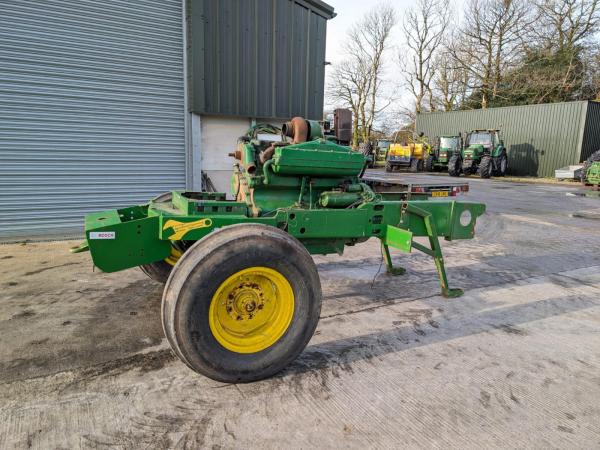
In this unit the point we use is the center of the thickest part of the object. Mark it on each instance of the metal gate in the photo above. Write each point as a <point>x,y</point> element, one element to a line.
<point>91,109</point>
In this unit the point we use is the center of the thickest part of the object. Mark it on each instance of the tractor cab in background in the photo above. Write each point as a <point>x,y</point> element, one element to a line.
<point>483,153</point>
<point>443,149</point>
<point>382,147</point>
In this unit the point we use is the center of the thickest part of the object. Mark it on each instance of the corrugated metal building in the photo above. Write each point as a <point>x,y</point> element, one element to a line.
<point>251,59</point>
<point>539,138</point>
<point>106,103</point>
<point>261,58</point>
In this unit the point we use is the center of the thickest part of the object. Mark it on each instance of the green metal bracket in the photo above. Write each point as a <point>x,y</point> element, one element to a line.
<point>397,238</point>
<point>435,251</point>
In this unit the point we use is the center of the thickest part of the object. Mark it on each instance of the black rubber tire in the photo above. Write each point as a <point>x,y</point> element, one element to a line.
<point>159,271</point>
<point>429,164</point>
<point>500,165</point>
<point>414,165</point>
<point>454,165</point>
<point>388,167</point>
<point>199,273</point>
<point>587,164</point>
<point>484,170</point>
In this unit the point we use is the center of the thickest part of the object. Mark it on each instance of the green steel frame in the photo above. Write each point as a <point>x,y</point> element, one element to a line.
<point>311,190</point>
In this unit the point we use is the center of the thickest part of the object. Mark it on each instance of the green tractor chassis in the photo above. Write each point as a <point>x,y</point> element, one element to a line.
<point>242,295</point>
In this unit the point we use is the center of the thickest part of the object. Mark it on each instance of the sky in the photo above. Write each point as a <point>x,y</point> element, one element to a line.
<point>351,11</point>
<point>348,12</point>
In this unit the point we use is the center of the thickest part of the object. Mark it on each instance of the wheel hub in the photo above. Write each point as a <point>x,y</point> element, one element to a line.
<point>245,301</point>
<point>251,310</point>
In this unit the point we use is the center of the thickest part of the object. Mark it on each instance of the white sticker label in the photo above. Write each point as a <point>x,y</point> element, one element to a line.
<point>102,235</point>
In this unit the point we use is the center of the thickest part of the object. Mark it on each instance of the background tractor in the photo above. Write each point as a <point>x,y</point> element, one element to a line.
<point>592,176</point>
<point>483,153</point>
<point>407,152</point>
<point>443,149</point>
<point>590,172</point>
<point>376,152</point>
<point>381,151</point>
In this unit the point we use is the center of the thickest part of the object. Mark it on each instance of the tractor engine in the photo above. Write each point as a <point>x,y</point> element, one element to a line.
<point>296,167</point>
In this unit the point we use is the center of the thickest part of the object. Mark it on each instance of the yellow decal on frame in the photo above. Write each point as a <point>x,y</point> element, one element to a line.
<point>180,229</point>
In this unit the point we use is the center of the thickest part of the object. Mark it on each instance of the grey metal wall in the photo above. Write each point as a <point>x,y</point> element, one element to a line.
<point>539,138</point>
<point>258,58</point>
<point>91,109</point>
<point>591,136</point>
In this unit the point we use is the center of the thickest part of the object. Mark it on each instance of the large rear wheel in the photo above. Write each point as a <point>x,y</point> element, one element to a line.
<point>500,165</point>
<point>485,167</point>
<point>414,165</point>
<point>454,165</point>
<point>242,303</point>
<point>429,164</point>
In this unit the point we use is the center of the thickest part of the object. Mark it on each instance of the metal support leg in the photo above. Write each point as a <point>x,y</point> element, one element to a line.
<point>388,262</point>
<point>435,251</point>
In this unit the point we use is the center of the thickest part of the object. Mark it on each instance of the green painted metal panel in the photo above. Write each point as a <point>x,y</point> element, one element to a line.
<point>539,138</point>
<point>398,238</point>
<point>258,58</point>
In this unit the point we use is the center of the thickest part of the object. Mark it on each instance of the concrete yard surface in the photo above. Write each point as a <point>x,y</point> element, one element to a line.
<point>514,363</point>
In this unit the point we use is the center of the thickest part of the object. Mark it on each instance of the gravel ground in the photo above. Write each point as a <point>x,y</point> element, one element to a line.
<point>515,362</point>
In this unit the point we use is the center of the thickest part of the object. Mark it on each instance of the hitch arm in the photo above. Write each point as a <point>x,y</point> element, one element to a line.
<point>435,250</point>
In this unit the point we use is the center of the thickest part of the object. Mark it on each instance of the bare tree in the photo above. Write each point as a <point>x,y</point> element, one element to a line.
<point>424,28</point>
<point>564,24</point>
<point>492,41</point>
<point>558,62</point>
<point>357,81</point>
<point>451,82</point>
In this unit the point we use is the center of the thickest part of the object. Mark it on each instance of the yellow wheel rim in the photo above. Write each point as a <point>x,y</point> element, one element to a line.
<point>251,310</point>
<point>173,257</point>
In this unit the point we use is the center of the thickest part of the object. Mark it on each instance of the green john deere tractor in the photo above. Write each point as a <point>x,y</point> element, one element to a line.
<point>590,172</point>
<point>242,295</point>
<point>381,151</point>
<point>483,153</point>
<point>443,149</point>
